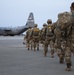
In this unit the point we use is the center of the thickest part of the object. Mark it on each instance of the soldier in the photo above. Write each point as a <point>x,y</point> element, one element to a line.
<point>70,38</point>
<point>42,36</point>
<point>25,40</point>
<point>67,26</point>
<point>35,37</point>
<point>28,37</point>
<point>60,33</point>
<point>48,36</point>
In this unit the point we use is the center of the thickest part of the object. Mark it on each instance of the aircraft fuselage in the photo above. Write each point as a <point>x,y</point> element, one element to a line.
<point>11,31</point>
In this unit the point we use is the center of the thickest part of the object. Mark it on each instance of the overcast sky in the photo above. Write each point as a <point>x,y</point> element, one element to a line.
<point>15,12</point>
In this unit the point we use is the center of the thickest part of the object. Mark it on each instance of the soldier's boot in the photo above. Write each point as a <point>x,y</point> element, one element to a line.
<point>28,47</point>
<point>68,67</point>
<point>37,48</point>
<point>52,53</point>
<point>61,60</point>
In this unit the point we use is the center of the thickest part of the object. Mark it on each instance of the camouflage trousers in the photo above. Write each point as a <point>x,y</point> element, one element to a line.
<point>68,58</point>
<point>29,44</point>
<point>60,49</point>
<point>69,45</point>
<point>48,42</point>
<point>62,52</point>
<point>35,43</point>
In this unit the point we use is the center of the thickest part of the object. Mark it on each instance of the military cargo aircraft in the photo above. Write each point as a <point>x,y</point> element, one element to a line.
<point>11,31</point>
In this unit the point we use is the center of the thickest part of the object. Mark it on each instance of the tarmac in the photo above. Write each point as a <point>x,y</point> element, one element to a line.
<point>15,59</point>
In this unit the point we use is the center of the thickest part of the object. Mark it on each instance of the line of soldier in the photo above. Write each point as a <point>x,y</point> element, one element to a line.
<point>59,36</point>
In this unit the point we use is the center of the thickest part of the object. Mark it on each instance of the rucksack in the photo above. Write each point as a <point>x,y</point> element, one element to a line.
<point>49,32</point>
<point>36,31</point>
<point>62,23</point>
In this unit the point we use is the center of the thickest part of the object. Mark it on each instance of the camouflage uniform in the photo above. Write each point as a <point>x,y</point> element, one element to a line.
<point>60,32</point>
<point>70,38</point>
<point>67,26</point>
<point>35,37</point>
<point>52,48</point>
<point>42,35</point>
<point>28,37</point>
<point>48,36</point>
<point>68,58</point>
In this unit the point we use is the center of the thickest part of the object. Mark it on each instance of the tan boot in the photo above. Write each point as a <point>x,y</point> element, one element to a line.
<point>68,67</point>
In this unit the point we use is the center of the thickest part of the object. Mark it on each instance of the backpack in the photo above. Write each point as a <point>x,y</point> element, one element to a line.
<point>49,32</point>
<point>36,31</point>
<point>62,24</point>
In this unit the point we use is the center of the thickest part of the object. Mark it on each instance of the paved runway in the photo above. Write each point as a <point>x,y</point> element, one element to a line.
<point>15,59</point>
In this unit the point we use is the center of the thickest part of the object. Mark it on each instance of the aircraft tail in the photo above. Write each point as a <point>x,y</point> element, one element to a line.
<point>30,21</point>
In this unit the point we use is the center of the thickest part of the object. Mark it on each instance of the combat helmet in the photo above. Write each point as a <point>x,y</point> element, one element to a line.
<point>30,27</point>
<point>44,24</point>
<point>35,25</point>
<point>49,21</point>
<point>72,5</point>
